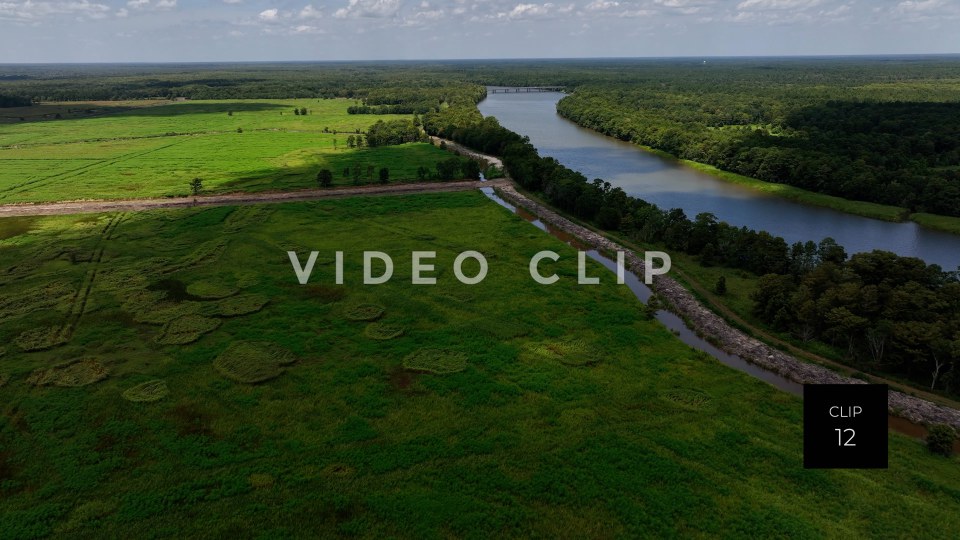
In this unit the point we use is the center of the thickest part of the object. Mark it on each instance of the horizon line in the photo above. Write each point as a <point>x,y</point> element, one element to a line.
<point>502,59</point>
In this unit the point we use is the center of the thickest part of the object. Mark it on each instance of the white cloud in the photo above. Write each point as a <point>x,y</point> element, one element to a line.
<point>601,5</point>
<point>269,15</point>
<point>369,8</point>
<point>30,11</point>
<point>777,4</point>
<point>310,12</point>
<point>160,5</point>
<point>527,11</point>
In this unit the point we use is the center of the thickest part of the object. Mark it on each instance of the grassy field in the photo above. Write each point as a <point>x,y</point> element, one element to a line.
<point>502,409</point>
<point>948,224</point>
<point>157,151</point>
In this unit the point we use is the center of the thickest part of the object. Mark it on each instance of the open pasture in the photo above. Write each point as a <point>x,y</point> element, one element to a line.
<point>502,409</point>
<point>230,145</point>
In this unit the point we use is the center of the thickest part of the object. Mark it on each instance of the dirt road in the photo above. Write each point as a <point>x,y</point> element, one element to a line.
<point>127,205</point>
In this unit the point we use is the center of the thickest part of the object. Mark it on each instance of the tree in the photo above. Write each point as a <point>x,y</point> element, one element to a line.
<point>296,112</point>
<point>940,440</point>
<point>229,113</point>
<point>471,169</point>
<point>608,218</point>
<point>196,186</point>
<point>239,130</point>
<point>721,286</point>
<point>384,175</point>
<point>325,178</point>
<point>303,111</point>
<point>448,169</point>
<point>357,172</point>
<point>370,170</point>
<point>351,141</point>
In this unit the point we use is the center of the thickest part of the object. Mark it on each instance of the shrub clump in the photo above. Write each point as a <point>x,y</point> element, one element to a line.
<point>572,353</point>
<point>365,312</point>
<point>40,339</point>
<point>147,392</point>
<point>252,362</point>
<point>940,439</point>
<point>79,372</point>
<point>54,295</point>
<point>436,361</point>
<point>241,305</point>
<point>382,331</point>
<point>688,397</point>
<point>210,291</point>
<point>187,329</point>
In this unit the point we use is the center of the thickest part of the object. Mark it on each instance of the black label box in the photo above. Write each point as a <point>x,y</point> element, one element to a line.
<point>845,426</point>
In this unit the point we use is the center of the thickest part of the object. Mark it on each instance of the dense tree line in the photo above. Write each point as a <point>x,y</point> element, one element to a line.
<point>14,101</point>
<point>891,314</point>
<point>398,86</point>
<point>393,132</point>
<point>891,152</point>
<point>416,100</point>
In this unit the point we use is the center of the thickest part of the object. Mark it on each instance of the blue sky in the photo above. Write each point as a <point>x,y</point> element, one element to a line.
<point>223,30</point>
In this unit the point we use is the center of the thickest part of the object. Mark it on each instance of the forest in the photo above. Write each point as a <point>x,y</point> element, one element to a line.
<point>867,138</point>
<point>378,88</point>
<point>14,101</point>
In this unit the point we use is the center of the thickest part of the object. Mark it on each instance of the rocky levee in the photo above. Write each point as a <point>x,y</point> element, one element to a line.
<point>422,266</point>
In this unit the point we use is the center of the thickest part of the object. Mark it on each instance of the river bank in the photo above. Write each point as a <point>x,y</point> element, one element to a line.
<point>883,212</point>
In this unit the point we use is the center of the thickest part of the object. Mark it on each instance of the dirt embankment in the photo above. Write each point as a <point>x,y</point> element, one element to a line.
<point>714,328</point>
<point>464,151</point>
<point>128,205</point>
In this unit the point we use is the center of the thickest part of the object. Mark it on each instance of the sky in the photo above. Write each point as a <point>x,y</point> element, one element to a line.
<point>304,30</point>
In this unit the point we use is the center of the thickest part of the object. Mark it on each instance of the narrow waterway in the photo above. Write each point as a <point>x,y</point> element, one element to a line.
<point>671,185</point>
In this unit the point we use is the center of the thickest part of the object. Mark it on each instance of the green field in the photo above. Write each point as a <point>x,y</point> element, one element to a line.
<point>523,410</point>
<point>948,224</point>
<point>157,151</point>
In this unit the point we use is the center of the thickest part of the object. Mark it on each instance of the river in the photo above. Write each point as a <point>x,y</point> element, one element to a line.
<point>672,185</point>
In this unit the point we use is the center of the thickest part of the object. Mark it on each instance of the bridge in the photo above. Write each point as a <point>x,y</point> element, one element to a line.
<point>520,89</point>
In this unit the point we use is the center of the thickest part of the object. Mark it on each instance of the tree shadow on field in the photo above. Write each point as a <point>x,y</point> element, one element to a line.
<point>185,108</point>
<point>86,110</point>
<point>401,162</point>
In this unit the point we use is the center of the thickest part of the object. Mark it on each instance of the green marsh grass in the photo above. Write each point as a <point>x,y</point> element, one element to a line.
<point>358,445</point>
